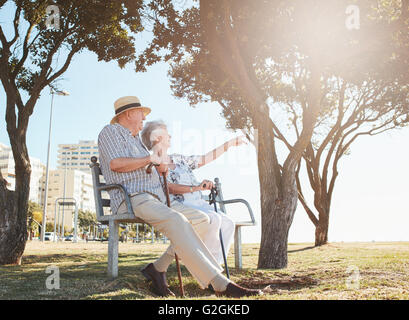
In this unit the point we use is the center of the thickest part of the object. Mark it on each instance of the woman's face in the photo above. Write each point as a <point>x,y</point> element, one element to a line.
<point>163,137</point>
<point>166,138</point>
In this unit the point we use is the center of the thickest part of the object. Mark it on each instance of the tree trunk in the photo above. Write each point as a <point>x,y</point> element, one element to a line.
<point>13,231</point>
<point>274,240</point>
<point>279,198</point>
<point>14,206</point>
<point>321,230</point>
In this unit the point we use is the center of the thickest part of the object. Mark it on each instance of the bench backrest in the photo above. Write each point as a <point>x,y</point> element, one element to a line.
<point>100,203</point>
<point>221,202</point>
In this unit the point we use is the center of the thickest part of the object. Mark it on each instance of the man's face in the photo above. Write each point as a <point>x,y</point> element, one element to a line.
<point>136,117</point>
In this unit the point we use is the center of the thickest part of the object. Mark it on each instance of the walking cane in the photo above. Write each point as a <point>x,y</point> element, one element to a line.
<point>212,199</point>
<point>165,182</point>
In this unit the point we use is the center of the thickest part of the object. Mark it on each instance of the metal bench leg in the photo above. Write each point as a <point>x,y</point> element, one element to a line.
<point>113,249</point>
<point>237,248</point>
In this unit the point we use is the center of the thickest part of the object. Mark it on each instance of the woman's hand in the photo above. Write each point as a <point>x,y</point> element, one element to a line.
<point>206,185</point>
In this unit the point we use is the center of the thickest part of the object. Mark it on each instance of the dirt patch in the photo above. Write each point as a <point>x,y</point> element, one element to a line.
<point>287,283</point>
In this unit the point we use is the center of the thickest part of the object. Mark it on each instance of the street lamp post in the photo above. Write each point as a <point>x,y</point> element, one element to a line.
<point>60,93</point>
<point>65,178</point>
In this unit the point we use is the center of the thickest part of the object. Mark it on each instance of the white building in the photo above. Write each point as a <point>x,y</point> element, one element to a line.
<point>77,156</point>
<point>78,185</point>
<point>37,174</point>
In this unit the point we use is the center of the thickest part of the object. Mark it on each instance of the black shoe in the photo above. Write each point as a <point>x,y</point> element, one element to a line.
<point>158,280</point>
<point>235,291</point>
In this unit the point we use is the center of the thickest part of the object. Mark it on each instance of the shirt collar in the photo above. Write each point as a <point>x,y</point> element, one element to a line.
<point>126,130</point>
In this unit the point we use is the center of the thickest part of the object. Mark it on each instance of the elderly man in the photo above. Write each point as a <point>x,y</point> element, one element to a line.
<point>123,160</point>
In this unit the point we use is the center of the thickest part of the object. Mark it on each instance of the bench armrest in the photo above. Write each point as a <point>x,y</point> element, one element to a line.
<point>253,220</point>
<point>107,187</point>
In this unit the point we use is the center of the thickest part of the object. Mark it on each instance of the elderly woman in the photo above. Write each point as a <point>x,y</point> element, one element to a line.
<point>184,187</point>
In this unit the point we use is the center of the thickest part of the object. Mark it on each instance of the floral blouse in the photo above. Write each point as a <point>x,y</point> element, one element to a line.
<point>183,174</point>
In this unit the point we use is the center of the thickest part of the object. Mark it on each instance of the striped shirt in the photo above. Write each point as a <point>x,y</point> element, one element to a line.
<point>116,141</point>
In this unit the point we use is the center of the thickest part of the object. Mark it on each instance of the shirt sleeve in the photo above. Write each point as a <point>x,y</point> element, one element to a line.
<point>192,161</point>
<point>109,144</point>
<point>172,177</point>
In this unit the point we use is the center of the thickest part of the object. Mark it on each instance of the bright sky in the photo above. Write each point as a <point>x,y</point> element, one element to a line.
<point>370,198</point>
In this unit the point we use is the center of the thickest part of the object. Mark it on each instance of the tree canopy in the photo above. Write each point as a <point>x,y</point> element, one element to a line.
<point>34,54</point>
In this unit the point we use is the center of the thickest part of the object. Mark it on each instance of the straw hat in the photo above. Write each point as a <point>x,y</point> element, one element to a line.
<point>127,103</point>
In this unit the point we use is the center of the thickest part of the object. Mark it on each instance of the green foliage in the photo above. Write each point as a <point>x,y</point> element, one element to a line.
<point>33,209</point>
<point>86,219</point>
<point>50,227</point>
<point>103,27</point>
<point>279,42</point>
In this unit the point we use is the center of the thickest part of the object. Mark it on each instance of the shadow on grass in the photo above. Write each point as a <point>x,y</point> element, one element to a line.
<point>272,282</point>
<point>302,249</point>
<point>27,260</point>
<point>84,277</point>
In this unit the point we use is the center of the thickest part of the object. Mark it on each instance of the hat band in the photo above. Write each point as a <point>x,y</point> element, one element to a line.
<point>128,106</point>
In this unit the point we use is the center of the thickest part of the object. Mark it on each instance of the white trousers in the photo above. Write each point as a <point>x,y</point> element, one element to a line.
<point>218,221</point>
<point>184,226</point>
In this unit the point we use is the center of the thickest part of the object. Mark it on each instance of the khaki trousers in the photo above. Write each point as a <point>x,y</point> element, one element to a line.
<point>184,227</point>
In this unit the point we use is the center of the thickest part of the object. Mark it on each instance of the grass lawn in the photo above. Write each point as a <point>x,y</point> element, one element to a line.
<point>312,273</point>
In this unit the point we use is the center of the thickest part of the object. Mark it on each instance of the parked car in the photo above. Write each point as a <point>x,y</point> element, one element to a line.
<point>69,238</point>
<point>48,236</point>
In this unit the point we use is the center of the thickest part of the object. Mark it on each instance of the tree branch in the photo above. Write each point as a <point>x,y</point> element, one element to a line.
<point>279,135</point>
<point>337,124</point>
<point>4,42</point>
<point>309,118</point>
<point>307,209</point>
<point>64,68</point>
<point>26,48</point>
<point>16,23</point>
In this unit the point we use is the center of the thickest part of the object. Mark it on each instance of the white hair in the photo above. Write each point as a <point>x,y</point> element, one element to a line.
<point>151,132</point>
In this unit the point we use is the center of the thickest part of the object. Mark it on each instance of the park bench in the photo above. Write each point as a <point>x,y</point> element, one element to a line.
<point>114,220</point>
<point>238,224</point>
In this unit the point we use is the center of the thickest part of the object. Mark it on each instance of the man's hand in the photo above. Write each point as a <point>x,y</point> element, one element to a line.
<point>162,168</point>
<point>155,159</point>
<point>206,185</point>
